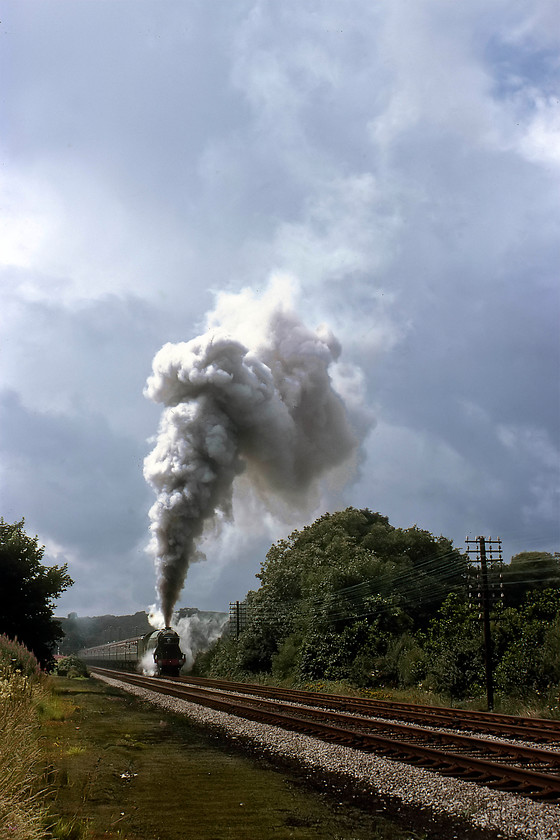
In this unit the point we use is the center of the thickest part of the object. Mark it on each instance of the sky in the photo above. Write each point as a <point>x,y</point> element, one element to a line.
<point>398,162</point>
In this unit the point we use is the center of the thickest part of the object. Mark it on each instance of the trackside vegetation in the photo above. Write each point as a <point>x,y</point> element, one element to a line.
<point>29,591</point>
<point>21,808</point>
<point>80,760</point>
<point>28,704</point>
<point>353,599</point>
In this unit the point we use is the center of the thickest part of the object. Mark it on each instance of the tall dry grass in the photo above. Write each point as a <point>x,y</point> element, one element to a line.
<point>22,812</point>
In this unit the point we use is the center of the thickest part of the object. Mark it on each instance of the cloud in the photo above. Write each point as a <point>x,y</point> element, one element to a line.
<point>78,485</point>
<point>400,161</point>
<point>532,448</point>
<point>90,492</point>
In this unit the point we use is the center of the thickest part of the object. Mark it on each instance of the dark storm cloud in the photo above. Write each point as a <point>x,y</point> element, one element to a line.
<point>78,486</point>
<point>90,493</point>
<point>401,160</point>
<point>72,357</point>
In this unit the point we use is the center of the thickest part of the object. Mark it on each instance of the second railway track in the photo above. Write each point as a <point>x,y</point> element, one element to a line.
<point>525,769</point>
<point>510,726</point>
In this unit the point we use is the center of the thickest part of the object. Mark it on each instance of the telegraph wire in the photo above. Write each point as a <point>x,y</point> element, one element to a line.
<point>413,580</point>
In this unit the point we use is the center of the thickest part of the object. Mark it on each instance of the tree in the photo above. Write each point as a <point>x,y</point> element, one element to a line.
<point>527,572</point>
<point>526,646</point>
<point>527,641</point>
<point>29,590</point>
<point>351,597</point>
<point>334,594</point>
<point>453,649</point>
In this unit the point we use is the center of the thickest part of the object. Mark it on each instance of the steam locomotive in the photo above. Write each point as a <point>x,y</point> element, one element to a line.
<point>158,652</point>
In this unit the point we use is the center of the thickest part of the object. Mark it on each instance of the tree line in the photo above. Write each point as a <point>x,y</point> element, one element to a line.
<point>349,597</point>
<point>353,598</point>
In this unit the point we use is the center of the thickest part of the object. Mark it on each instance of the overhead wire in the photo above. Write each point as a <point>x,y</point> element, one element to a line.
<point>413,580</point>
<point>410,573</point>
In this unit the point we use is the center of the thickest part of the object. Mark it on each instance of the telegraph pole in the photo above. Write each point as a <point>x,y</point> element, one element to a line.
<point>481,545</point>
<point>486,625</point>
<point>237,617</point>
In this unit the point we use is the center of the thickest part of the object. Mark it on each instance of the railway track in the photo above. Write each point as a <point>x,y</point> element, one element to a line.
<point>509,726</point>
<point>528,770</point>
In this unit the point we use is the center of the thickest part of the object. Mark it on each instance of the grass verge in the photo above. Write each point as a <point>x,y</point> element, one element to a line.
<point>80,760</point>
<point>119,768</point>
<point>22,808</point>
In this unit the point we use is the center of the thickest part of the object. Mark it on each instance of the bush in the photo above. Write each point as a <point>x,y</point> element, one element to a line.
<point>22,812</point>
<point>532,662</point>
<point>71,666</point>
<point>404,664</point>
<point>285,663</point>
<point>218,661</point>
<point>454,651</point>
<point>14,657</point>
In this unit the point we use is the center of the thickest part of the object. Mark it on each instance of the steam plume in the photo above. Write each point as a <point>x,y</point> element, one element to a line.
<point>252,395</point>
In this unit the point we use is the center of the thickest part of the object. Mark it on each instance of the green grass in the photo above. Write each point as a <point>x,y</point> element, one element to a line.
<point>82,761</point>
<point>65,828</point>
<point>123,769</point>
<point>75,750</point>
<point>53,707</point>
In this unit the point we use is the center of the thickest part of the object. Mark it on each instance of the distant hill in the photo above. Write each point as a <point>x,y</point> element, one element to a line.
<point>86,631</point>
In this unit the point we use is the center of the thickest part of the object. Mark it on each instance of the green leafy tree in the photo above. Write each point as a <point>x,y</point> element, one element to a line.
<point>527,641</point>
<point>29,590</point>
<point>350,597</point>
<point>334,594</point>
<point>527,572</point>
<point>454,651</point>
<point>405,661</point>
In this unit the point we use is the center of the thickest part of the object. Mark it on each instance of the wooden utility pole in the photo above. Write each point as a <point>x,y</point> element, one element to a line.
<point>482,543</point>
<point>486,625</point>
<point>237,617</point>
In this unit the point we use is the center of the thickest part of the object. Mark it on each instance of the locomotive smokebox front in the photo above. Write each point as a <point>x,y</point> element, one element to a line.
<point>168,656</point>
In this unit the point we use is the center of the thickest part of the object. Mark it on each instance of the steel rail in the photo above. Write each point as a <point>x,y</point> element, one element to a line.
<point>525,728</point>
<point>345,729</point>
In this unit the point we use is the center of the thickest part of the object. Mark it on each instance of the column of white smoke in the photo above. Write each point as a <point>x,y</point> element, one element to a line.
<point>263,405</point>
<point>198,632</point>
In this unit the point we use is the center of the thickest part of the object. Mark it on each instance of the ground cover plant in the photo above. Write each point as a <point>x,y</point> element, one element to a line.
<point>28,705</point>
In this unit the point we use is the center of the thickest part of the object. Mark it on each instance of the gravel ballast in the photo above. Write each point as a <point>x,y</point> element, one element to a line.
<point>507,814</point>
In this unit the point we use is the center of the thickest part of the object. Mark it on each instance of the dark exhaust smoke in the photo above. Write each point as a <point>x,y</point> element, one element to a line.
<point>252,395</point>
